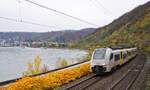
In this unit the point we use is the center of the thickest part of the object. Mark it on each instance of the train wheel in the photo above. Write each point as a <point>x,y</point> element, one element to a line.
<point>114,69</point>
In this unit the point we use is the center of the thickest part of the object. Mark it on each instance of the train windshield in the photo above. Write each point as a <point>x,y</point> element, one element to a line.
<point>99,54</point>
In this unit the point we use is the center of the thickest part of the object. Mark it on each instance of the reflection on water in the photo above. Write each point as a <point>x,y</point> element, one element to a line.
<point>13,60</point>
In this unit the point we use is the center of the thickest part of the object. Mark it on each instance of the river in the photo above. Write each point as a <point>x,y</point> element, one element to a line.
<point>13,60</point>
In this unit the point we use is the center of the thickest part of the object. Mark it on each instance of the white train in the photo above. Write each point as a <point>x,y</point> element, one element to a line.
<point>106,59</point>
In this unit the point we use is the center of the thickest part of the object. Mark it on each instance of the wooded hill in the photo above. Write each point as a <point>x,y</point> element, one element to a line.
<point>133,28</point>
<point>64,36</point>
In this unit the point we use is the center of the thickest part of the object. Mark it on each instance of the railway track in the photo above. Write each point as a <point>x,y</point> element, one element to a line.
<point>83,83</point>
<point>128,79</point>
<point>122,79</point>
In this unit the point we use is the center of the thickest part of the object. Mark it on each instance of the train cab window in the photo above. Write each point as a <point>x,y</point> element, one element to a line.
<point>111,57</point>
<point>99,54</point>
<point>117,57</point>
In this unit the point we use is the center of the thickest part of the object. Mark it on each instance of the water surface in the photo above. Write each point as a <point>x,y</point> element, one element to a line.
<point>13,60</point>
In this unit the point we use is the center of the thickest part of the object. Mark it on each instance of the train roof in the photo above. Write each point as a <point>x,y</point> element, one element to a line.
<point>121,47</point>
<point>116,48</point>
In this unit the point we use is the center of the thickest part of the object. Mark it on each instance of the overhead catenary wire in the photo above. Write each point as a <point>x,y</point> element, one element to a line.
<point>106,9</point>
<point>20,19</point>
<point>73,17</point>
<point>19,9</point>
<point>29,22</point>
<point>94,4</point>
<point>97,4</point>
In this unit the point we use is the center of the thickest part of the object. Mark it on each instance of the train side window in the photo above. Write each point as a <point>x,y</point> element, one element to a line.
<point>117,57</point>
<point>124,56</point>
<point>111,56</point>
<point>129,53</point>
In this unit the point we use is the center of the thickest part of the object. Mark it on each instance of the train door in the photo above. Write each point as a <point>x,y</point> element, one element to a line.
<point>124,57</point>
<point>121,59</point>
<point>111,60</point>
<point>127,55</point>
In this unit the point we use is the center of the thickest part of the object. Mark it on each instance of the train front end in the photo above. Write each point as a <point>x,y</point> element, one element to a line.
<point>99,61</point>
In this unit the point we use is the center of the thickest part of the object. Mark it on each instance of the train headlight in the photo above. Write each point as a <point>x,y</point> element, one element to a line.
<point>103,64</point>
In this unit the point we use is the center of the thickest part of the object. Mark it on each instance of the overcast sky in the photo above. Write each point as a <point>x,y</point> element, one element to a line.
<point>99,12</point>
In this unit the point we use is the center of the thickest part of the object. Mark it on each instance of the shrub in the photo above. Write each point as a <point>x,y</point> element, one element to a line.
<point>147,49</point>
<point>62,63</point>
<point>51,80</point>
<point>35,67</point>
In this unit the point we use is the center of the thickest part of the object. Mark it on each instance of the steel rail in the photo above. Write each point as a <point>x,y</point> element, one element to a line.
<point>132,82</point>
<point>91,83</point>
<point>125,75</point>
<point>122,78</point>
<point>80,82</point>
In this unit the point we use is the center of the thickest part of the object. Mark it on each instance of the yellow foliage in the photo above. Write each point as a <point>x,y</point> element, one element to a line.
<point>143,21</point>
<point>62,63</point>
<point>51,80</point>
<point>35,67</point>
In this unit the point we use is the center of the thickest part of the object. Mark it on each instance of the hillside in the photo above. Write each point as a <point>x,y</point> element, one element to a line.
<point>133,28</point>
<point>66,36</point>
<point>55,36</point>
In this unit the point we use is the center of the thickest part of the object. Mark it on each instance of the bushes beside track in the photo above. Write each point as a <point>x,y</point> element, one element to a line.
<point>51,80</point>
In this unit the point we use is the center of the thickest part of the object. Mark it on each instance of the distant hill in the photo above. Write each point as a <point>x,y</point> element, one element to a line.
<point>65,36</point>
<point>133,28</point>
<point>55,36</point>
